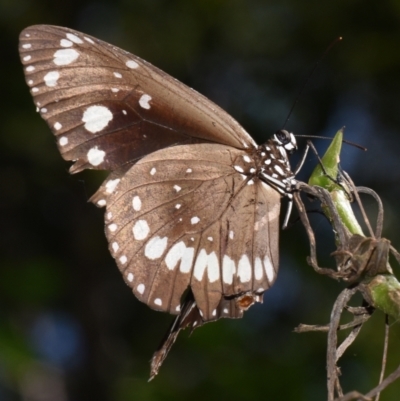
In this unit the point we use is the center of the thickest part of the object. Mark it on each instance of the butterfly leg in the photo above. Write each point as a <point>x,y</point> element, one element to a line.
<point>303,159</point>
<point>288,212</point>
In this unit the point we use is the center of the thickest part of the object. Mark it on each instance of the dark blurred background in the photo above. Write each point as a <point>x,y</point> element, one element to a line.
<point>70,329</point>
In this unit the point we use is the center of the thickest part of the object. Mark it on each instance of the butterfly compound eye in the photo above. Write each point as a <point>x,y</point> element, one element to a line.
<point>285,139</point>
<point>283,136</point>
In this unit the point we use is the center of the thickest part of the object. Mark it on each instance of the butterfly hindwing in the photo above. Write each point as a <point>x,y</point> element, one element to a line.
<point>107,107</point>
<point>183,216</point>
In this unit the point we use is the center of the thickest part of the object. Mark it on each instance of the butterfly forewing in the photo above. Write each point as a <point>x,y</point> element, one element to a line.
<point>108,107</point>
<point>183,216</point>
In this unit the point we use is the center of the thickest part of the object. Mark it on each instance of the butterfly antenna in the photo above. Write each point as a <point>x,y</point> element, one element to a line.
<point>309,77</point>
<point>356,145</point>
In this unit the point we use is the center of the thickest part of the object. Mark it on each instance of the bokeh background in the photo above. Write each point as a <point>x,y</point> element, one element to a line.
<point>70,329</point>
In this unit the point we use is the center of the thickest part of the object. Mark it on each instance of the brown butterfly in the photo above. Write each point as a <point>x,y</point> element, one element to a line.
<point>192,202</point>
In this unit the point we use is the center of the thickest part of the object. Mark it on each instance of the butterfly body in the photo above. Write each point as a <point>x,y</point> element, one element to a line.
<point>192,202</point>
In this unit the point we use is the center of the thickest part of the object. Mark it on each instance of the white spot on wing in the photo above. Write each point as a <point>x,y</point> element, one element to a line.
<point>129,277</point>
<point>238,168</point>
<point>51,78</point>
<point>63,141</point>
<point>141,230</point>
<point>200,265</point>
<point>187,260</point>
<point>244,269</point>
<point>210,262</point>
<point>89,40</point>
<point>194,220</point>
<point>27,46</point>
<point>30,68</point>
<point>112,227</point>
<point>95,156</point>
<point>189,170</point>
<point>155,247</point>
<point>96,118</point>
<point>132,64</point>
<point>246,159</point>
<point>123,259</point>
<point>144,101</point>
<point>178,206</point>
<point>258,269</point>
<point>65,43</point>
<point>141,288</point>
<point>115,246</point>
<point>269,269</point>
<point>175,254</point>
<point>117,75</point>
<point>34,90</point>
<point>27,58</point>
<point>65,56</point>
<point>177,188</point>
<point>111,185</point>
<point>158,301</point>
<point>136,203</point>
<point>153,171</point>
<point>57,126</point>
<point>115,90</point>
<point>74,38</point>
<point>213,267</point>
<point>102,202</point>
<point>231,234</point>
<point>228,269</point>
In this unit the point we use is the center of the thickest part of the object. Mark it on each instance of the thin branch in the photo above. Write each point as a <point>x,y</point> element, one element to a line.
<point>305,328</point>
<point>337,310</point>
<point>385,352</point>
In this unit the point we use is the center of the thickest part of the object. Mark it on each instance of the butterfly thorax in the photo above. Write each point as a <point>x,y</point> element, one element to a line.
<point>270,162</point>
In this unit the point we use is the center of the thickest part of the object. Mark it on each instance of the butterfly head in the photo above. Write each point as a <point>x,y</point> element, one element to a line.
<point>286,140</point>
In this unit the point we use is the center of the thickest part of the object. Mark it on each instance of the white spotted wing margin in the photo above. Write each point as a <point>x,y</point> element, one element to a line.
<point>185,217</point>
<point>108,108</point>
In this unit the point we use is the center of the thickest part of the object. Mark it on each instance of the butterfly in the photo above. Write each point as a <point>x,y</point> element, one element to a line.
<point>192,203</point>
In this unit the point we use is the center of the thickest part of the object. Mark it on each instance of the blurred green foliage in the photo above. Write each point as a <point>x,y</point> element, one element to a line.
<point>69,327</point>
